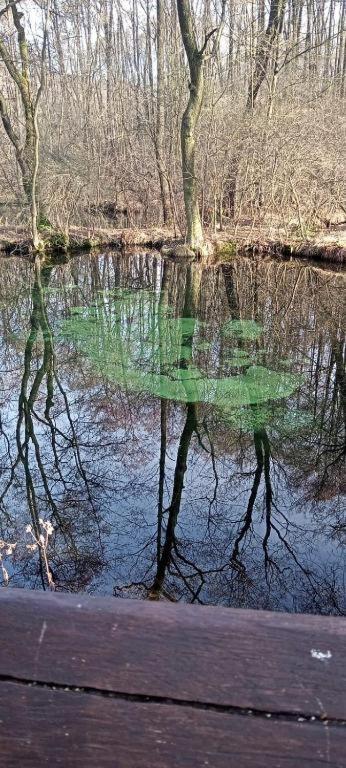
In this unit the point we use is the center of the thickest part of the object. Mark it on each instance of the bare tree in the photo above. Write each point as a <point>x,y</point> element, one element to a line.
<point>160,120</point>
<point>195,57</point>
<point>265,48</point>
<point>27,153</point>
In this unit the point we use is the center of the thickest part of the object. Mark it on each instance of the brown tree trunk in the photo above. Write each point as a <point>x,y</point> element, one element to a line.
<point>194,230</point>
<point>27,154</point>
<point>160,118</point>
<point>265,48</point>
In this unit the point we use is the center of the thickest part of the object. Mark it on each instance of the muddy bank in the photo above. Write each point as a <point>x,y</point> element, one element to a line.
<point>18,243</point>
<point>322,250</point>
<point>325,247</point>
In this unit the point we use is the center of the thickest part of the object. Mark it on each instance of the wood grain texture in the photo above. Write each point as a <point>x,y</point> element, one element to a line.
<point>78,730</point>
<point>238,658</point>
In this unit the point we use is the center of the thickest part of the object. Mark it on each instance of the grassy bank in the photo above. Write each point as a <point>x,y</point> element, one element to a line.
<point>327,246</point>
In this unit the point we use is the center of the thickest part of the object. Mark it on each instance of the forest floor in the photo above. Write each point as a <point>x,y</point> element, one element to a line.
<point>328,245</point>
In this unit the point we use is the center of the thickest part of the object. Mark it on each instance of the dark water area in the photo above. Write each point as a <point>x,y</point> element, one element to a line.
<point>173,431</point>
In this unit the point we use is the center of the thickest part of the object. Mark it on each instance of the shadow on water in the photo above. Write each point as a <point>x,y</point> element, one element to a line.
<point>181,427</point>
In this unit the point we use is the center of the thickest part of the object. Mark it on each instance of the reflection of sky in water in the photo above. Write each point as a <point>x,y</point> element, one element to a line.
<point>112,518</point>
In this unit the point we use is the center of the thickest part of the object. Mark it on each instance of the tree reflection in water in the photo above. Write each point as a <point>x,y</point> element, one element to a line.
<point>209,501</point>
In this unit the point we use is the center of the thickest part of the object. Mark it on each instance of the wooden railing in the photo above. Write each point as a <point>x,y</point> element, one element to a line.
<point>98,682</point>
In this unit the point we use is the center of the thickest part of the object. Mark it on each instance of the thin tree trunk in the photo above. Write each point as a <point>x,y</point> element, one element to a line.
<point>27,154</point>
<point>265,48</point>
<point>160,118</point>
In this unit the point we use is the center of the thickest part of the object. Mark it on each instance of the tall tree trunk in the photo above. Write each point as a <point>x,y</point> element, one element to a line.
<point>27,154</point>
<point>264,50</point>
<point>160,118</point>
<point>195,57</point>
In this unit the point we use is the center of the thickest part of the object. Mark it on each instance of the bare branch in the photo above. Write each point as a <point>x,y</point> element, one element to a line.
<point>206,40</point>
<point>6,121</point>
<point>9,6</point>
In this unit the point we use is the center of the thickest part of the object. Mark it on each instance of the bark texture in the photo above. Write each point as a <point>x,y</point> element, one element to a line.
<point>27,151</point>
<point>194,229</point>
<point>160,119</point>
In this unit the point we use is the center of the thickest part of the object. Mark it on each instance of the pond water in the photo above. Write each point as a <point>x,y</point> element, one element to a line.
<point>174,431</point>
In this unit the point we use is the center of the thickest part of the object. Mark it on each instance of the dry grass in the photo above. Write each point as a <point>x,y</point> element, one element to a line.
<point>325,246</point>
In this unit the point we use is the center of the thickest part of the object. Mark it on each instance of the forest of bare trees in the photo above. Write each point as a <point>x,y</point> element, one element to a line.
<point>116,112</point>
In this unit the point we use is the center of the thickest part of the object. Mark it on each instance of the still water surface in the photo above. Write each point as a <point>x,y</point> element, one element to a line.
<point>179,430</point>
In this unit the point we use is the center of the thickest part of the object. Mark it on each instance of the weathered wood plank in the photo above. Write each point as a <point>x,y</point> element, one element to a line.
<point>240,658</point>
<point>56,728</point>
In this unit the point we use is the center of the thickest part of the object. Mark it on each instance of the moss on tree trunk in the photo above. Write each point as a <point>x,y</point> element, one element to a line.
<point>194,229</point>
